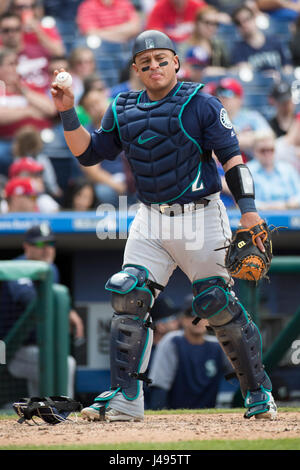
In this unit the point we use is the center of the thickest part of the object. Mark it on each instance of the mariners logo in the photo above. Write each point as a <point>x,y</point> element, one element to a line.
<point>224,118</point>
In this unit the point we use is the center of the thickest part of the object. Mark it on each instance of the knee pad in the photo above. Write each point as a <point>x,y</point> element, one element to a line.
<point>214,302</point>
<point>130,292</point>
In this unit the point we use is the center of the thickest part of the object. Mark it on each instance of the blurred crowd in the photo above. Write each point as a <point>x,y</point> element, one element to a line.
<point>247,53</point>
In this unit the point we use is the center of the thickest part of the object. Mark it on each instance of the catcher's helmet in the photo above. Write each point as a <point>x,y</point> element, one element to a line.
<point>152,39</point>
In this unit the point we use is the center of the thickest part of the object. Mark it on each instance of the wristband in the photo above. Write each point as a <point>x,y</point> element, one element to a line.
<point>70,120</point>
<point>246,204</point>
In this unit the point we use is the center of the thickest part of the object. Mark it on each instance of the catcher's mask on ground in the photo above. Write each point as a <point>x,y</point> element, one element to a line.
<point>52,410</point>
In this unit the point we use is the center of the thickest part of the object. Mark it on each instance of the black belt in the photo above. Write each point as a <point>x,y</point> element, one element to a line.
<point>176,209</point>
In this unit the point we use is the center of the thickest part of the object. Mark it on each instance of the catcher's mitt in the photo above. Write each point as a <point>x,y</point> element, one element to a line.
<point>243,259</point>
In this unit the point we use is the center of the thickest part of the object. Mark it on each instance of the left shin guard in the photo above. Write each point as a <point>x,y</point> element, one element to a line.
<point>238,335</point>
<point>241,342</point>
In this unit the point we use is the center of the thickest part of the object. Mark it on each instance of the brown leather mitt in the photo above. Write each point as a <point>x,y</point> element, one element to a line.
<point>243,259</point>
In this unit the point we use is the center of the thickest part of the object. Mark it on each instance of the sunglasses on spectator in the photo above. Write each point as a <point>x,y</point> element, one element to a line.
<point>25,7</point>
<point>265,149</point>
<point>225,93</point>
<point>243,20</point>
<point>42,244</point>
<point>215,24</point>
<point>10,30</point>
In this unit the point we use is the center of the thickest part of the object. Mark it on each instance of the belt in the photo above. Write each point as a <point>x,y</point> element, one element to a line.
<point>176,209</point>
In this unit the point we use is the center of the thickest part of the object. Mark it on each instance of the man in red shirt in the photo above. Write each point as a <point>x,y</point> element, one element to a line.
<point>34,42</point>
<point>20,106</point>
<point>114,23</point>
<point>174,18</point>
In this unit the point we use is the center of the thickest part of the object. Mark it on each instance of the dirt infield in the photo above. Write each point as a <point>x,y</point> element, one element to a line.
<point>154,428</point>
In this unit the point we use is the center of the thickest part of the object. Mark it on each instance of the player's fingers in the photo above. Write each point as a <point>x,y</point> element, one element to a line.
<point>260,244</point>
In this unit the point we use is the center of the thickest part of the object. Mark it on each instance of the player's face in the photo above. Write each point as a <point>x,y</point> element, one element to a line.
<point>157,71</point>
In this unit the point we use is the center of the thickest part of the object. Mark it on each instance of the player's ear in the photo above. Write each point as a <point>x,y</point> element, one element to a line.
<point>134,67</point>
<point>177,63</point>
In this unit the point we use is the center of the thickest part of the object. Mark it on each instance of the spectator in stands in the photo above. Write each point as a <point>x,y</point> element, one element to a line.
<point>65,17</point>
<point>128,81</point>
<point>281,100</point>
<point>93,82</point>
<point>108,177</point>
<point>295,43</point>
<point>165,316</point>
<point>187,367</point>
<point>277,185</point>
<point>81,64</point>
<point>80,196</point>
<point>20,196</point>
<point>174,18</point>
<point>36,34</point>
<point>28,141</point>
<point>4,6</point>
<point>245,121</point>
<point>285,10</point>
<point>39,245</point>
<point>204,45</point>
<point>32,62</point>
<point>115,23</point>
<point>21,106</point>
<point>27,167</point>
<point>288,145</point>
<point>255,49</point>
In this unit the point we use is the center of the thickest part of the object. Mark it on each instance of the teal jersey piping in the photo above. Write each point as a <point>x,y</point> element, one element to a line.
<point>116,115</point>
<point>189,137</point>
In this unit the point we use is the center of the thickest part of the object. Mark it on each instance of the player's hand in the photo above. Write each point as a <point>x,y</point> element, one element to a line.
<point>248,220</point>
<point>63,99</point>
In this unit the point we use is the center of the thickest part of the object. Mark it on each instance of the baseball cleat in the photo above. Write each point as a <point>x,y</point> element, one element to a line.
<point>97,412</point>
<point>260,404</point>
<point>271,413</point>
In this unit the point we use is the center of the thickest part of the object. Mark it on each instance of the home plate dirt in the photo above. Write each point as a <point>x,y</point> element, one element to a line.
<point>154,428</point>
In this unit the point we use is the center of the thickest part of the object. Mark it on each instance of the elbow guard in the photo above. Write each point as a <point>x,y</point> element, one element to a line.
<point>241,185</point>
<point>240,182</point>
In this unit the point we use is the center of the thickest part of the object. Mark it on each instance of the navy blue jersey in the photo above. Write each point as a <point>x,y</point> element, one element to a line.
<point>189,374</point>
<point>272,55</point>
<point>205,120</point>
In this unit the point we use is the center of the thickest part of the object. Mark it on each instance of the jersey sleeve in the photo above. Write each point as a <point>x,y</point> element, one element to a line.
<point>217,129</point>
<point>105,142</point>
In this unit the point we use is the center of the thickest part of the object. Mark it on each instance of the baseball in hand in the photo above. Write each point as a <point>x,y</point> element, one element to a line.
<point>63,80</point>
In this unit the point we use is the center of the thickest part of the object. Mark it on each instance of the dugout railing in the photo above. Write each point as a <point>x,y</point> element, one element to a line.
<point>48,315</point>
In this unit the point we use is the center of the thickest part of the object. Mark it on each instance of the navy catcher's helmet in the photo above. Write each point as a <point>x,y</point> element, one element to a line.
<point>152,39</point>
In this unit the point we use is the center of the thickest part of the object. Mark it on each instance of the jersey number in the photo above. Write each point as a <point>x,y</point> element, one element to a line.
<point>197,185</point>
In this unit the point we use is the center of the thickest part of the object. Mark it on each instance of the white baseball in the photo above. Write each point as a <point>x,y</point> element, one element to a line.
<point>63,80</point>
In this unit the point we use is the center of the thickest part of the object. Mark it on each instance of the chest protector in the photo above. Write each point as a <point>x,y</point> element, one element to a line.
<point>164,158</point>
